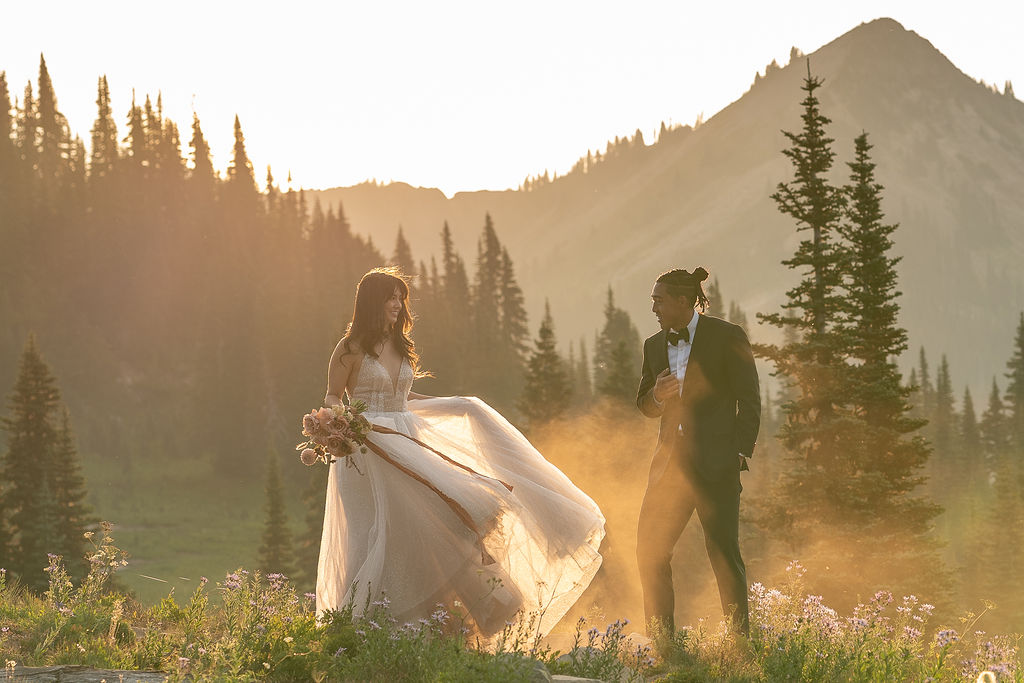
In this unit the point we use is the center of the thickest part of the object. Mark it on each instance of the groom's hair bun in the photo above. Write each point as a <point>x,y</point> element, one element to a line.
<point>684,283</point>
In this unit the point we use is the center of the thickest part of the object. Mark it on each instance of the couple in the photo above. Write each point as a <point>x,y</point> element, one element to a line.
<point>525,540</point>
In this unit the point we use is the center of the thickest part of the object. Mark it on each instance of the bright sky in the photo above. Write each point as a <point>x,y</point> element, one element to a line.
<point>455,94</point>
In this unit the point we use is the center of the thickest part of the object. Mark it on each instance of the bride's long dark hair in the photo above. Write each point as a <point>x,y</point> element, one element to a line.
<point>370,326</point>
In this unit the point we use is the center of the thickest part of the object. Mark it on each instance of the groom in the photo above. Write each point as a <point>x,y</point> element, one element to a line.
<point>699,378</point>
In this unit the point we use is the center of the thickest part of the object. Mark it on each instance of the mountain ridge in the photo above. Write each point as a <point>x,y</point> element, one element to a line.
<point>948,149</point>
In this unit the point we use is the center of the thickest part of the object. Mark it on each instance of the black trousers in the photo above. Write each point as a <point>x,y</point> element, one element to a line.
<point>668,505</point>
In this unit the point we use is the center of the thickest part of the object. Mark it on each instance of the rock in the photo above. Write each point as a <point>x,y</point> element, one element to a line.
<point>540,673</point>
<point>582,654</point>
<point>70,673</point>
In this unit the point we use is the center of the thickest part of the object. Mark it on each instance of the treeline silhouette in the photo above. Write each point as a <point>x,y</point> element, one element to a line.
<point>168,294</point>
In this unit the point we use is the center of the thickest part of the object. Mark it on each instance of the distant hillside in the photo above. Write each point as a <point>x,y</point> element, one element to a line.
<point>950,152</point>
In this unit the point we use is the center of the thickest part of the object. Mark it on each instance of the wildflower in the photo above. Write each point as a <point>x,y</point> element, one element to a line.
<point>927,609</point>
<point>882,598</point>
<point>183,662</point>
<point>203,580</point>
<point>947,637</point>
<point>311,596</point>
<point>266,665</point>
<point>80,648</point>
<point>374,625</point>
<point>911,633</point>
<point>360,633</point>
<point>201,651</point>
<point>288,639</point>
<point>858,623</point>
<point>339,651</point>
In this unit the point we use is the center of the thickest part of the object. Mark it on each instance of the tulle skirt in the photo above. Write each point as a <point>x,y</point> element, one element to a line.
<point>525,553</point>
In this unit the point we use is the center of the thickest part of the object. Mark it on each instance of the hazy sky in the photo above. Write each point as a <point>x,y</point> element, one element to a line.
<point>456,95</point>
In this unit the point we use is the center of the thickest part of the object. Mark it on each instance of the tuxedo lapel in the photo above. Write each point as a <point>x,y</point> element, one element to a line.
<point>660,360</point>
<point>693,365</point>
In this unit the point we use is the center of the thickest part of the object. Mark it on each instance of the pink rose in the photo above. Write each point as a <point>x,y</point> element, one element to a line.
<point>335,445</point>
<point>309,424</point>
<point>308,457</point>
<point>324,415</point>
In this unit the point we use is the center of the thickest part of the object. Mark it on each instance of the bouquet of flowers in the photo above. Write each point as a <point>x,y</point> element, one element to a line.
<point>334,433</point>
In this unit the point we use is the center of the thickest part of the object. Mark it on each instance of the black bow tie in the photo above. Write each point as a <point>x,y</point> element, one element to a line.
<point>674,337</point>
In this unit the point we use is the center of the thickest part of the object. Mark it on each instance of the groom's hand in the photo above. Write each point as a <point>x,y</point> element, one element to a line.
<point>666,386</point>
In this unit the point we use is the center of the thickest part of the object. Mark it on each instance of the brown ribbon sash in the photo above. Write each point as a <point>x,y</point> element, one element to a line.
<point>455,506</point>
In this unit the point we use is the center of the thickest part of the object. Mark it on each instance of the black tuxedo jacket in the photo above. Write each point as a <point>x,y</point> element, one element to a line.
<point>719,410</point>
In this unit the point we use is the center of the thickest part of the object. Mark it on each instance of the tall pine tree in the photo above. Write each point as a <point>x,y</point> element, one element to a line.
<point>617,352</point>
<point>73,514</point>
<point>812,360</point>
<point>29,467</point>
<point>1015,390</point>
<point>852,468</point>
<point>548,389</point>
<point>276,553</point>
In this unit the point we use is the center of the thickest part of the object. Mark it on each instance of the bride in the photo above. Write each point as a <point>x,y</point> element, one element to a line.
<point>465,514</point>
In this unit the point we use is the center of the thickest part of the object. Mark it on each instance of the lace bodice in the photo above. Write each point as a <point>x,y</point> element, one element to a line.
<point>375,387</point>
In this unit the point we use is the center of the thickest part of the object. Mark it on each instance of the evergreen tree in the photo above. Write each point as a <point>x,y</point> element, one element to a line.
<point>307,547</point>
<point>970,434</point>
<point>995,433</point>
<point>403,254</point>
<point>852,466</point>
<point>620,377</point>
<point>8,159</point>
<point>584,388</point>
<point>1015,390</point>
<point>52,136</point>
<point>240,172</point>
<point>548,391</point>
<point>28,467</point>
<point>716,304</point>
<point>453,318</point>
<point>138,151</point>
<point>25,140</point>
<point>73,515</point>
<point>944,416</point>
<point>617,351</point>
<point>515,334</point>
<point>202,163</point>
<point>276,551</point>
<point>813,362</point>
<point>486,303</point>
<point>926,389</point>
<point>737,316</point>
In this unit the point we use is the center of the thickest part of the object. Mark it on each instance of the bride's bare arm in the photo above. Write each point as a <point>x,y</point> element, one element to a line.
<point>338,373</point>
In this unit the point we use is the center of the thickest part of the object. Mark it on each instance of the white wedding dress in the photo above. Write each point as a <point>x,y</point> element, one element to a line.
<point>528,552</point>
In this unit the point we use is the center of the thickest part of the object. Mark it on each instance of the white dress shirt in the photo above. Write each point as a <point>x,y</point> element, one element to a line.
<point>679,355</point>
<point>679,358</point>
